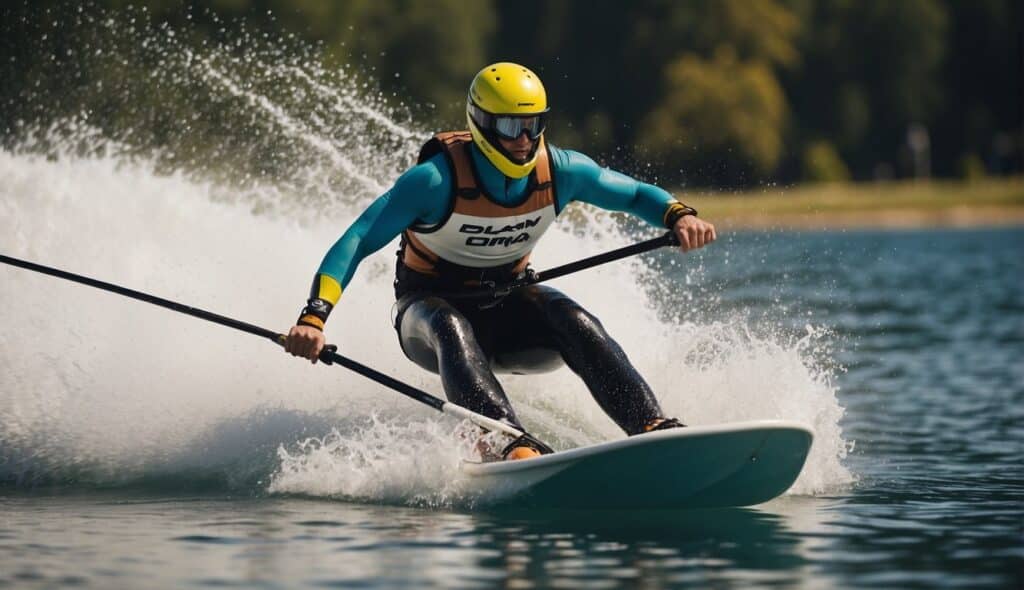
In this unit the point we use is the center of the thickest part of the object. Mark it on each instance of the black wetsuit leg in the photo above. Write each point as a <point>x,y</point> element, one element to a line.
<point>529,331</point>
<point>438,336</point>
<point>538,317</point>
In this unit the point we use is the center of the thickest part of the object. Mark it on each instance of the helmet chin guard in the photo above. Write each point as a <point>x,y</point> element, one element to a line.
<point>497,155</point>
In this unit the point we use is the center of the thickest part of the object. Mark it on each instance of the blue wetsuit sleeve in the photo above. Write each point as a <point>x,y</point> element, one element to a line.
<point>371,231</point>
<point>578,178</point>
<point>419,195</point>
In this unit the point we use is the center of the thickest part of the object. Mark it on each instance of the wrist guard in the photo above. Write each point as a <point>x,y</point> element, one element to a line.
<point>315,313</point>
<point>675,212</point>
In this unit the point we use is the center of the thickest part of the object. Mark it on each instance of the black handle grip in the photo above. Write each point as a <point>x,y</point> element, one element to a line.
<point>328,353</point>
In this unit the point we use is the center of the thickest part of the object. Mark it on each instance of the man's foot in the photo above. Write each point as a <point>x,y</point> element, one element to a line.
<point>517,453</point>
<point>525,447</point>
<point>663,424</point>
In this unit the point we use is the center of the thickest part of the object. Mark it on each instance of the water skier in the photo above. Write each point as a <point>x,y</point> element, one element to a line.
<point>469,213</point>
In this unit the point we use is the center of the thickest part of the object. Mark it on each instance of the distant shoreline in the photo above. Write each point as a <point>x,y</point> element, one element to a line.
<point>961,217</point>
<point>890,205</point>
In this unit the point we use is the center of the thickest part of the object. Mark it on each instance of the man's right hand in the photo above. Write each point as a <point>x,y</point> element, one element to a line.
<point>305,341</point>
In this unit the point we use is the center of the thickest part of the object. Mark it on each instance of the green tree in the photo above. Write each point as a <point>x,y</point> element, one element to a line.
<point>821,163</point>
<point>718,109</point>
<point>870,70</point>
<point>720,112</point>
<point>424,52</point>
<point>983,75</point>
<point>693,85</point>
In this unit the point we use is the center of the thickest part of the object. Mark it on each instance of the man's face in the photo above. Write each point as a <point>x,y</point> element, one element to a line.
<point>519,148</point>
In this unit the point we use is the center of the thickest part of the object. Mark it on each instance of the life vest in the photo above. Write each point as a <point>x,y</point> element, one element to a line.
<point>478,235</point>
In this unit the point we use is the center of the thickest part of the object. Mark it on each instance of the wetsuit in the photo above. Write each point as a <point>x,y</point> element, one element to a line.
<point>531,330</point>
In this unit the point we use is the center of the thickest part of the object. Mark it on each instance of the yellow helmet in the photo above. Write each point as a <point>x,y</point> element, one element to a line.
<point>505,101</point>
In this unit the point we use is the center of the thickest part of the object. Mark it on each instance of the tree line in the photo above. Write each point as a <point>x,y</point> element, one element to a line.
<point>704,92</point>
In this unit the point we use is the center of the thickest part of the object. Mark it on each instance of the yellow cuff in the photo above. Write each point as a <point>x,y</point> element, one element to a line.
<point>326,288</point>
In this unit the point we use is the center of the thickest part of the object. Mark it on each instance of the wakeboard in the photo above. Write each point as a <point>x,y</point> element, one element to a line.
<point>717,466</point>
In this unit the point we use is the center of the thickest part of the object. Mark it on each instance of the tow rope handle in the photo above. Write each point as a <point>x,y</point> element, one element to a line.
<point>531,277</point>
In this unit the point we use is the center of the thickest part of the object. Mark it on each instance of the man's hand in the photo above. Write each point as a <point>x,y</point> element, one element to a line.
<point>693,232</point>
<point>305,341</point>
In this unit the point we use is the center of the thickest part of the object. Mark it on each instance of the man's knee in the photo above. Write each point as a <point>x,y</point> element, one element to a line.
<point>429,315</point>
<point>570,318</point>
<point>441,326</point>
<point>429,326</point>
<point>446,322</point>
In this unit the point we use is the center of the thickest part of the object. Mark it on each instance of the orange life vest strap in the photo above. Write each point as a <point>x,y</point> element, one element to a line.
<point>455,145</point>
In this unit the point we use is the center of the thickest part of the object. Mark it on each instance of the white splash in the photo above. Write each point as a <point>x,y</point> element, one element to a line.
<point>94,379</point>
<point>95,387</point>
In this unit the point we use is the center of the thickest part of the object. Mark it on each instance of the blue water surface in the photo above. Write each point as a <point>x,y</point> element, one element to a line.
<point>927,332</point>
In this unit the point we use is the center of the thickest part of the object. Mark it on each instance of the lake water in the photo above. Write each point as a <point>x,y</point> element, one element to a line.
<point>925,329</point>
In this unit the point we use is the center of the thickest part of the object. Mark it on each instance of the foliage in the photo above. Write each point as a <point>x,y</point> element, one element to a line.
<point>870,72</point>
<point>710,92</point>
<point>971,168</point>
<point>714,108</point>
<point>821,163</point>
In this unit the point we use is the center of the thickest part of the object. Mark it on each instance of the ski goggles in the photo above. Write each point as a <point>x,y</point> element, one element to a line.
<point>509,126</point>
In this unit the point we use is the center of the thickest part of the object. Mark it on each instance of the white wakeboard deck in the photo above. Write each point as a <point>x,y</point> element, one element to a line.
<point>737,464</point>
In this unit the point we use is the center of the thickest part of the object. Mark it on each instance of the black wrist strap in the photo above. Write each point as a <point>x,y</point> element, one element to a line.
<point>315,313</point>
<point>675,212</point>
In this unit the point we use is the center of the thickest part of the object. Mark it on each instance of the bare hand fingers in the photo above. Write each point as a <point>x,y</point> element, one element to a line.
<point>312,349</point>
<point>304,342</point>
<point>694,233</point>
<point>299,348</point>
<point>684,239</point>
<point>292,343</point>
<point>695,237</point>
